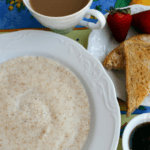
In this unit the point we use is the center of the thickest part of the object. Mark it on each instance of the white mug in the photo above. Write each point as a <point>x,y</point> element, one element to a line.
<point>142,118</point>
<point>67,22</point>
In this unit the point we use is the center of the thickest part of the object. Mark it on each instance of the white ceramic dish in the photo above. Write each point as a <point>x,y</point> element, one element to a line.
<point>105,112</point>
<point>102,42</point>
<point>67,22</point>
<point>142,118</point>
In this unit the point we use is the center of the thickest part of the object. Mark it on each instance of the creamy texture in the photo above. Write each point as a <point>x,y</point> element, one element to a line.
<point>58,8</point>
<point>43,106</point>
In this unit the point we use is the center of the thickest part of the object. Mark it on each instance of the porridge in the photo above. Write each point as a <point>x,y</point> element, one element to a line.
<point>43,106</point>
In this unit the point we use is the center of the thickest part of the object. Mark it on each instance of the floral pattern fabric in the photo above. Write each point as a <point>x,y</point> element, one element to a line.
<point>14,14</point>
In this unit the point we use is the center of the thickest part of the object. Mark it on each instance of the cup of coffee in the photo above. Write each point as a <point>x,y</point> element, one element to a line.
<point>63,15</point>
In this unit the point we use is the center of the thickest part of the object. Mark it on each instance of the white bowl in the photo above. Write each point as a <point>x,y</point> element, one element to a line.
<point>130,126</point>
<point>105,112</point>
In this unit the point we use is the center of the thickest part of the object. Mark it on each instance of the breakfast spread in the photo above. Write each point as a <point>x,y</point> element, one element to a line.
<point>43,106</point>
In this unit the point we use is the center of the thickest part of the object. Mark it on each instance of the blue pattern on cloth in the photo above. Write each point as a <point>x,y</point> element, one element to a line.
<point>15,19</point>
<point>140,110</point>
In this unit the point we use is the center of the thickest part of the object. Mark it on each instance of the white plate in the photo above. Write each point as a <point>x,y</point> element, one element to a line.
<point>105,112</point>
<point>102,42</point>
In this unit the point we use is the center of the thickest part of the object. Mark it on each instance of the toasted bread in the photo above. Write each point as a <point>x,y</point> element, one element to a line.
<point>116,59</point>
<point>137,57</point>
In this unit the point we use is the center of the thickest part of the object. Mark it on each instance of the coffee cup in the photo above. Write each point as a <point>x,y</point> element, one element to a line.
<point>66,23</point>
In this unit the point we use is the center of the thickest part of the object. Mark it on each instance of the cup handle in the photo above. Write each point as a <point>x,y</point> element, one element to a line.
<point>94,26</point>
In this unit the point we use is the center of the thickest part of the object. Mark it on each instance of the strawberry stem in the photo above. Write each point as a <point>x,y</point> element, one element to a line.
<point>114,10</point>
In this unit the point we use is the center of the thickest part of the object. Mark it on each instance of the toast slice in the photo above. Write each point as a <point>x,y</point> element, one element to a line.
<point>137,56</point>
<point>116,59</point>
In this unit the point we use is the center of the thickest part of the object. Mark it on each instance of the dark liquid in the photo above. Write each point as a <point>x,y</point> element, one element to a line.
<point>57,8</point>
<point>140,137</point>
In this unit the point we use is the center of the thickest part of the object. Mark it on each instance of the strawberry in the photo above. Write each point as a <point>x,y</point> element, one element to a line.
<point>119,21</point>
<point>141,21</point>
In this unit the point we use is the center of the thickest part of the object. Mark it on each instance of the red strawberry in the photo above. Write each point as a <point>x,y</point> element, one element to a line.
<point>119,21</point>
<point>141,21</point>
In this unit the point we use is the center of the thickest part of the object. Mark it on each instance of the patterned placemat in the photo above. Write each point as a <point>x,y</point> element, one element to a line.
<point>14,14</point>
